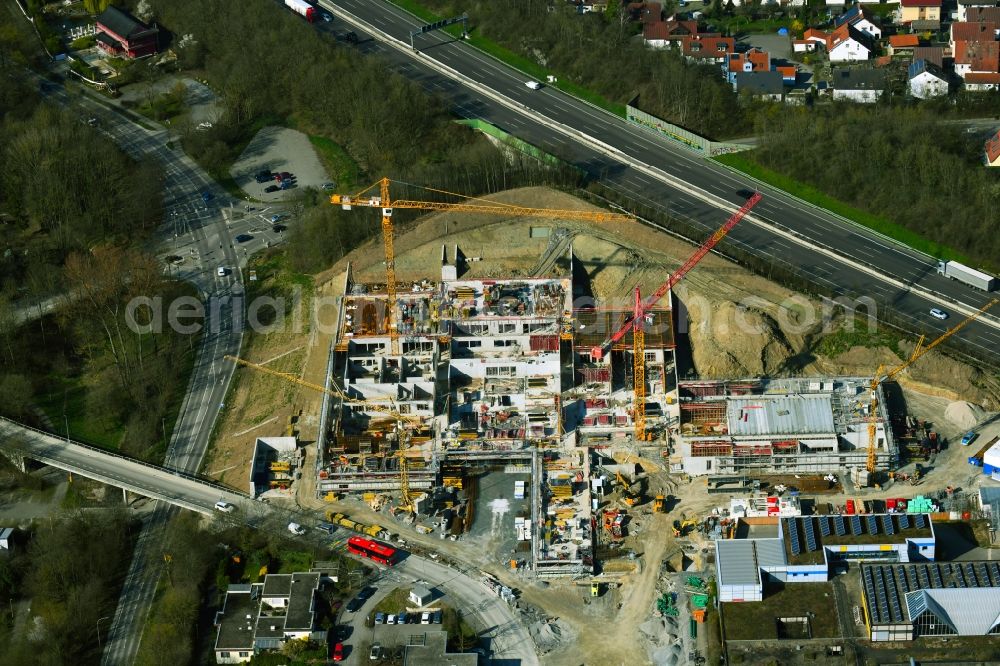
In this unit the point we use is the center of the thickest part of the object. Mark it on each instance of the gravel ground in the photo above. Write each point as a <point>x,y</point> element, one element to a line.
<point>278,149</point>
<point>201,101</point>
<point>493,526</point>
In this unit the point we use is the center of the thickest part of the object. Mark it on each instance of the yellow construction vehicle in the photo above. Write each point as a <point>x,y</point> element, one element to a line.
<point>681,526</point>
<point>659,504</point>
<point>881,376</point>
<point>629,496</point>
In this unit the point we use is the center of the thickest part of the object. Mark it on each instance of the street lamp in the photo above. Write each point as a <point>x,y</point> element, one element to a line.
<point>99,631</point>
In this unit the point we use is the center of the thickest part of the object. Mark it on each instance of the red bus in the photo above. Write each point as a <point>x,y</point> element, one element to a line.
<point>373,550</point>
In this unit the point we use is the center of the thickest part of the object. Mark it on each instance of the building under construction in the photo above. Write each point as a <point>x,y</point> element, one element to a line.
<point>777,426</point>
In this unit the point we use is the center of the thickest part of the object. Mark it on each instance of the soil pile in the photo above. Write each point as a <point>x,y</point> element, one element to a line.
<point>963,414</point>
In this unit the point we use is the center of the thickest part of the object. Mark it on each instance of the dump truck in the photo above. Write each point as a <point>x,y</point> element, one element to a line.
<point>966,275</point>
<point>302,8</point>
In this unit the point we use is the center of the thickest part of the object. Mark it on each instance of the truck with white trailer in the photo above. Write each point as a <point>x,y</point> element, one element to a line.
<point>966,275</point>
<point>302,8</point>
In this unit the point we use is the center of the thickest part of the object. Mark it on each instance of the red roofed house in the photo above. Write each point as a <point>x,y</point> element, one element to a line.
<point>921,14</point>
<point>972,32</point>
<point>708,48</point>
<point>788,74</point>
<point>993,151</point>
<point>120,35</point>
<point>976,14</point>
<point>847,43</point>
<point>811,40</point>
<point>978,63</point>
<point>661,34</point>
<point>753,60</point>
<point>902,44</point>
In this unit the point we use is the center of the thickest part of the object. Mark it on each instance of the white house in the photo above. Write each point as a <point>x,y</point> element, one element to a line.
<point>858,85</point>
<point>848,44</point>
<point>927,80</point>
<point>861,20</point>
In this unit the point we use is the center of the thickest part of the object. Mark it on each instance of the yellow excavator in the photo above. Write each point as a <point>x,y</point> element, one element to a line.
<point>629,496</point>
<point>681,527</point>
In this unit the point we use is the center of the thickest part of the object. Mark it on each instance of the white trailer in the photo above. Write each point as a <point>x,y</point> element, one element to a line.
<point>302,8</point>
<point>966,275</point>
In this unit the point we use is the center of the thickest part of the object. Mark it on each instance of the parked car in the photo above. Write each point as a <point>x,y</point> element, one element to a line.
<point>938,313</point>
<point>243,238</point>
<point>379,618</point>
<point>224,507</point>
<point>286,184</point>
<point>206,196</point>
<point>437,617</point>
<point>278,228</point>
<point>329,528</point>
<point>425,618</point>
<point>328,186</point>
<point>327,18</point>
<point>376,652</point>
<point>366,593</point>
<point>221,271</point>
<point>968,438</point>
<point>263,176</point>
<point>354,605</point>
<point>271,188</point>
<point>338,652</point>
<point>296,529</point>
<point>391,619</point>
<point>277,218</point>
<point>402,619</point>
<point>284,175</point>
<point>204,126</point>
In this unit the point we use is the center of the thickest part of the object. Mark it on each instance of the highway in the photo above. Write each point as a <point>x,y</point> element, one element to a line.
<point>508,638</point>
<point>831,252</point>
<point>195,229</point>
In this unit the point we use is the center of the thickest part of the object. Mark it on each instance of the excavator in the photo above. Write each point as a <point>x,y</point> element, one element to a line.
<point>681,527</point>
<point>629,496</point>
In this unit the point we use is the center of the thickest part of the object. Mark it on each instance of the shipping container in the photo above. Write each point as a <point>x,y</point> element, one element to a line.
<point>966,275</point>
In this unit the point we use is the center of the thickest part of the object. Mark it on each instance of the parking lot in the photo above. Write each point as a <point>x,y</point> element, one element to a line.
<point>278,150</point>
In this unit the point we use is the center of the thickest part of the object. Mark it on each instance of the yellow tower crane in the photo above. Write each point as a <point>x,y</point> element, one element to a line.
<point>882,375</point>
<point>384,201</point>
<point>401,433</point>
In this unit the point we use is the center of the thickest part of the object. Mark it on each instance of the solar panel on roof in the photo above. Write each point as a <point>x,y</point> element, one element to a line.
<point>872,524</point>
<point>811,544</point>
<point>921,520</point>
<point>904,521</point>
<point>887,525</point>
<point>839,525</point>
<point>995,573</point>
<point>793,537</point>
<point>856,525</point>
<point>824,526</point>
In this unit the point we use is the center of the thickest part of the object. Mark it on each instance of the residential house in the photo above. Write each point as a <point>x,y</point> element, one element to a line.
<point>858,85</point>
<point>981,81</point>
<point>977,14</point>
<point>120,35</point>
<point>667,34</point>
<point>861,20</point>
<point>993,150</point>
<point>980,31</point>
<point>979,60</point>
<point>812,39</point>
<point>921,14</point>
<point>848,44</point>
<point>752,60</point>
<point>902,45</point>
<point>762,85</point>
<point>263,616</point>
<point>789,75</point>
<point>708,48</point>
<point>934,54</point>
<point>926,80</point>
<point>966,6</point>
<point>645,12</point>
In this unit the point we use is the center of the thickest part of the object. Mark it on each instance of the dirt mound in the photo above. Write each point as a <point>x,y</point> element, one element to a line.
<point>732,340</point>
<point>963,414</point>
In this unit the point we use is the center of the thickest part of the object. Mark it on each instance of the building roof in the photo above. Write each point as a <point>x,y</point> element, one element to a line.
<point>934,54</point>
<point>434,652</point>
<point>786,71</point>
<point>672,30</point>
<point>760,83</point>
<point>299,615</point>
<point>759,60</point>
<point>853,15</point>
<point>122,24</point>
<point>858,79</point>
<point>780,415</point>
<point>848,32</point>
<point>964,595</point>
<point>919,66</point>
<point>904,41</point>
<point>707,46</point>
<point>981,56</point>
<point>814,35</point>
<point>421,591</point>
<point>974,31</point>
<point>990,495</point>
<point>277,585</point>
<point>737,562</point>
<point>982,77</point>
<point>237,621</point>
<point>974,14</point>
<point>920,3</point>
<point>838,530</point>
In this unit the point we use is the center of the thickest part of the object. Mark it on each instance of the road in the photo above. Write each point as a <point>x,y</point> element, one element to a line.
<point>788,233</point>
<point>195,229</point>
<point>507,637</point>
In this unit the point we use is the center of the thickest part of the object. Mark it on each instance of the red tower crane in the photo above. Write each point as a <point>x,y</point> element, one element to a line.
<point>641,307</point>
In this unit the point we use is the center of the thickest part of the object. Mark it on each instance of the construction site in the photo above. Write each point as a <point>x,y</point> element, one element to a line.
<point>522,387</point>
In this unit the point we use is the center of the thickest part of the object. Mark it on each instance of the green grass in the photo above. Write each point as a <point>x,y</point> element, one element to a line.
<point>814,196</point>
<point>756,621</point>
<point>394,602</point>
<point>843,340</point>
<point>71,393</point>
<point>345,170</point>
<point>514,60</point>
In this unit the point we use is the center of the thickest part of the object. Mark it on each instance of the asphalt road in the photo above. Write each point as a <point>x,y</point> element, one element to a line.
<point>831,252</point>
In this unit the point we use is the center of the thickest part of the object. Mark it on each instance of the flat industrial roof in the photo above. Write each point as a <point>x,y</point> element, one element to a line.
<point>964,595</point>
<point>780,415</point>
<point>886,528</point>
<point>434,652</point>
<point>740,560</point>
<point>236,631</point>
<point>277,585</point>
